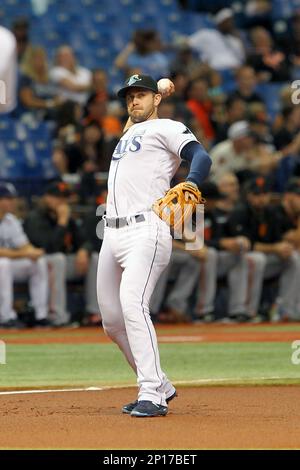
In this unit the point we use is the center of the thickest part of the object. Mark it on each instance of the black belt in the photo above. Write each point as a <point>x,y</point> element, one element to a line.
<point>119,222</point>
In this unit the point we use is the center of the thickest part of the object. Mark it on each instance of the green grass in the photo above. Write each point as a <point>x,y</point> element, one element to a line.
<point>103,364</point>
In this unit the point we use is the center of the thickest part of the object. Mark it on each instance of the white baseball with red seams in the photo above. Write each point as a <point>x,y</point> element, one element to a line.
<point>133,257</point>
<point>164,85</point>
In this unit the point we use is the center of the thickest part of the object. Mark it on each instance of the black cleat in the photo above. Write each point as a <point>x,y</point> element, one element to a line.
<point>148,409</point>
<point>127,409</point>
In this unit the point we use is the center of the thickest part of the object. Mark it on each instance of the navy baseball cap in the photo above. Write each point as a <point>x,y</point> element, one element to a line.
<point>138,81</point>
<point>7,190</point>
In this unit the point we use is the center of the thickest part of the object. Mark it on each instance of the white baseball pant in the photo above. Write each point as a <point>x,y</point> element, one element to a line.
<point>130,263</point>
<point>23,269</point>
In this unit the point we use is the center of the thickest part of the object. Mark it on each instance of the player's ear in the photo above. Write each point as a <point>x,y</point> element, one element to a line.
<point>157,99</point>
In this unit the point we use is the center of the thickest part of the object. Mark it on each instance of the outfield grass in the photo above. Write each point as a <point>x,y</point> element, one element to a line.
<point>102,364</point>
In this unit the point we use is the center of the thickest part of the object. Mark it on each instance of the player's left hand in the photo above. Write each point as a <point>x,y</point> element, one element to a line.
<point>178,204</point>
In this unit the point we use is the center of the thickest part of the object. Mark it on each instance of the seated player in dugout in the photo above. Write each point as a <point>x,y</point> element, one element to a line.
<point>19,261</point>
<point>273,231</point>
<point>53,228</point>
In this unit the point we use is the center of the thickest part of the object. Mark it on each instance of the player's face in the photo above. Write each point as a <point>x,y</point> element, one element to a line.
<point>52,202</point>
<point>142,104</point>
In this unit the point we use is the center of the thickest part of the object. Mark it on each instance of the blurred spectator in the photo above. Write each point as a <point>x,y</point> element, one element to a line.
<point>182,113</point>
<point>270,64</point>
<point>236,109</point>
<point>19,261</point>
<point>228,186</point>
<point>290,43</point>
<point>266,226</point>
<point>181,82</point>
<point>144,54</point>
<point>82,156</point>
<point>246,84</point>
<point>242,154</point>
<point>167,110</point>
<point>186,62</point>
<point>96,111</point>
<point>91,187</point>
<point>233,110</point>
<point>221,48</point>
<point>99,83</point>
<point>260,126</point>
<point>52,228</point>
<point>199,103</point>
<point>36,93</point>
<point>231,155</point>
<point>286,100</point>
<point>68,123</point>
<point>72,82</point>
<point>20,29</point>
<point>287,139</point>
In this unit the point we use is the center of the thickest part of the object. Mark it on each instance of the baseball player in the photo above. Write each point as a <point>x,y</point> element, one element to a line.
<point>19,261</point>
<point>137,243</point>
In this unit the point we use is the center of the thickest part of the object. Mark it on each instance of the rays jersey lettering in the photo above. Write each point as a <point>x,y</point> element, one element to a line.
<point>143,164</point>
<point>133,144</point>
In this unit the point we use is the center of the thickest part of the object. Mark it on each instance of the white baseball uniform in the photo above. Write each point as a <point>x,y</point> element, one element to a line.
<point>137,245</point>
<point>13,236</point>
<point>8,70</point>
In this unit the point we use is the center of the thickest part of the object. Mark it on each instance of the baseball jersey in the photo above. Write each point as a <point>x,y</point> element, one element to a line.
<point>143,164</point>
<point>12,234</point>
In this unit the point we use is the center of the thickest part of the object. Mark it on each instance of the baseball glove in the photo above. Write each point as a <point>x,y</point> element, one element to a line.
<point>178,204</point>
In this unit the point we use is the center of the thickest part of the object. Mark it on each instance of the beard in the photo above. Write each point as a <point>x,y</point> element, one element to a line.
<point>140,116</point>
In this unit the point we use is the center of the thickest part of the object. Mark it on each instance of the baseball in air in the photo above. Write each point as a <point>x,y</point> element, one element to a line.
<point>165,85</point>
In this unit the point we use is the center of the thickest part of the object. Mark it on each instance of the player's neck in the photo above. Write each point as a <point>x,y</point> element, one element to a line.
<point>152,116</point>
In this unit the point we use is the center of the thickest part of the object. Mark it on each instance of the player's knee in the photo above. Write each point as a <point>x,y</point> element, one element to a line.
<point>259,261</point>
<point>130,303</point>
<point>112,330</point>
<point>58,261</point>
<point>42,264</point>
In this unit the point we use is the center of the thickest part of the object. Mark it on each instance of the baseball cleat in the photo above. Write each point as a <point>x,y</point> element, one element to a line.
<point>148,409</point>
<point>127,409</point>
